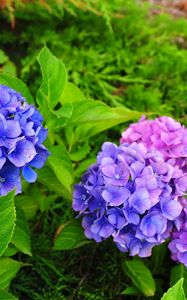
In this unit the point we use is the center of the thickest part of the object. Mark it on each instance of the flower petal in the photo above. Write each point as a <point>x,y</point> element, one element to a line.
<point>29,174</point>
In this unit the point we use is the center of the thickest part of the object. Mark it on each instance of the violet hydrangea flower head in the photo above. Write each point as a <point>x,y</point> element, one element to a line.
<point>178,244</point>
<point>131,195</point>
<point>21,140</point>
<point>163,134</point>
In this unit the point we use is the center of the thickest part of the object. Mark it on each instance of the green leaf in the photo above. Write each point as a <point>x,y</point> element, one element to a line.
<point>96,111</point>
<point>10,250</point>
<point>69,134</point>
<point>8,269</point>
<point>17,85</point>
<point>175,292</point>
<point>140,275</point>
<point>3,57</point>
<point>178,272</point>
<point>90,111</point>
<point>56,120</point>
<point>64,112</point>
<point>92,117</point>
<point>131,290</point>
<point>35,197</point>
<point>10,68</point>
<point>54,78</point>
<point>28,204</point>
<point>71,94</point>
<point>80,153</point>
<point>21,237</point>
<point>4,295</point>
<point>7,220</point>
<point>46,177</point>
<point>61,164</point>
<point>70,237</point>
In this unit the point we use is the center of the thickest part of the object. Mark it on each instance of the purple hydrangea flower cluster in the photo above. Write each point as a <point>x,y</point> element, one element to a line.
<point>132,195</point>
<point>21,138</point>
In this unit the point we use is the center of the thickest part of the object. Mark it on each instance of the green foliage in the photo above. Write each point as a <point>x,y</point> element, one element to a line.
<point>46,177</point>
<point>70,237</point>
<point>10,250</point>
<point>21,236</point>
<point>93,117</point>
<point>175,292</point>
<point>14,236</point>
<point>53,79</point>
<point>6,296</point>
<point>6,65</point>
<point>177,273</point>
<point>62,166</point>
<point>7,220</point>
<point>8,269</point>
<point>140,276</point>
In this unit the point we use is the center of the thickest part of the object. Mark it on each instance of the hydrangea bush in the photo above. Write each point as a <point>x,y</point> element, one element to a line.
<point>21,140</point>
<point>135,193</point>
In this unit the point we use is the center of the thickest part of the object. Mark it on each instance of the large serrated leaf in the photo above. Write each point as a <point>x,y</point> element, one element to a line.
<point>96,111</point>
<point>54,78</point>
<point>8,269</point>
<point>92,117</point>
<point>7,220</point>
<point>140,275</point>
<point>176,292</point>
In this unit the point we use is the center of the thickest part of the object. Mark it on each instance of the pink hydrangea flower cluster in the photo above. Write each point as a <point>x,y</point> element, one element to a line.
<point>162,134</point>
<point>169,137</point>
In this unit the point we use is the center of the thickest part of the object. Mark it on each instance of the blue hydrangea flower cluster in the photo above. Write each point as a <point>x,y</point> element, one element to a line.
<point>132,195</point>
<point>21,140</point>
